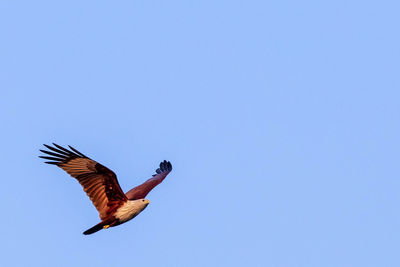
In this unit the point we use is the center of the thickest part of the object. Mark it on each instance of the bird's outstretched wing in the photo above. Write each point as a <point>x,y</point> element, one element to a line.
<point>142,190</point>
<point>99,182</point>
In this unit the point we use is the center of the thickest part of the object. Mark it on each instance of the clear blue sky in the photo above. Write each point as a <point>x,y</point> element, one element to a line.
<point>281,119</point>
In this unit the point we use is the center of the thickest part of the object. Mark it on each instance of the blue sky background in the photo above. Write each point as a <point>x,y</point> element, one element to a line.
<point>281,119</point>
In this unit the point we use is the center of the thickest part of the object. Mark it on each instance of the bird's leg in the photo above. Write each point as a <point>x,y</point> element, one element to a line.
<point>106,226</point>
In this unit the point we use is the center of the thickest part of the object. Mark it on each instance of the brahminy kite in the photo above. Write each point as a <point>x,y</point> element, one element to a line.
<point>102,187</point>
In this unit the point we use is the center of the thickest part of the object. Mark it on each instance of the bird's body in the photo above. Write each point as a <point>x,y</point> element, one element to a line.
<point>102,187</point>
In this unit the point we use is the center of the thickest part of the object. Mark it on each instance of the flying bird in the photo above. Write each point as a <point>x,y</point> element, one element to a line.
<point>102,187</point>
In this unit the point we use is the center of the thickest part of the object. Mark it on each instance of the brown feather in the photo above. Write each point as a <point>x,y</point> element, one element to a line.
<point>142,190</point>
<point>99,182</point>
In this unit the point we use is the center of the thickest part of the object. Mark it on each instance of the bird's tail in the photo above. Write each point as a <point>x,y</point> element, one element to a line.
<point>94,229</point>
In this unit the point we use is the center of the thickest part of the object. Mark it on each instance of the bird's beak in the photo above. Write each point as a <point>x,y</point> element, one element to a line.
<point>147,202</point>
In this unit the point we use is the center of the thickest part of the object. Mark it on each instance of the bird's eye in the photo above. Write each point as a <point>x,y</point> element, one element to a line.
<point>142,200</point>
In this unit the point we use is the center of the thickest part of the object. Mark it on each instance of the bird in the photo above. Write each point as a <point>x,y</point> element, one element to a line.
<point>102,187</point>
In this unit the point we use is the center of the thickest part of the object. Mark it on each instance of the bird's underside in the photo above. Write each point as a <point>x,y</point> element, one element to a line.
<point>102,187</point>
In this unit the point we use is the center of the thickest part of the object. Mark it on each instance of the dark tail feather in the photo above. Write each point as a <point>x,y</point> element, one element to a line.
<point>94,229</point>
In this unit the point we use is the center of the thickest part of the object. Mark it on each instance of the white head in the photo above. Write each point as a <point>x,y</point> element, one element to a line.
<point>141,204</point>
<point>131,208</point>
<point>144,201</point>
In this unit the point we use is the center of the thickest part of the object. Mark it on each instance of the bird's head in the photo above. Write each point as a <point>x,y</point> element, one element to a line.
<point>145,201</point>
<point>141,204</point>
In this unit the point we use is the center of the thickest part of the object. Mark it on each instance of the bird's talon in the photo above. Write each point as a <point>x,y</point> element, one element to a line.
<point>106,226</point>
